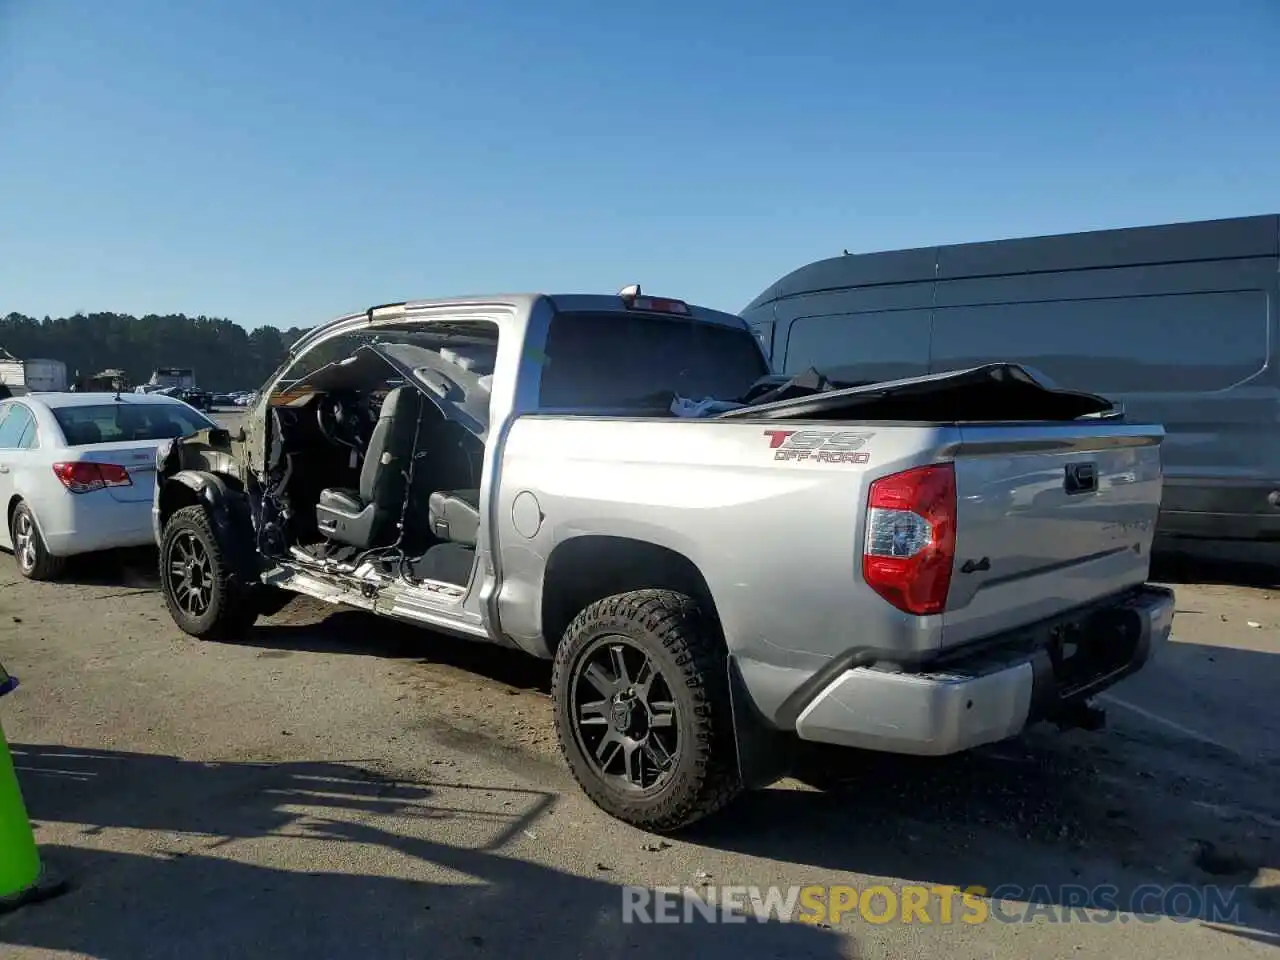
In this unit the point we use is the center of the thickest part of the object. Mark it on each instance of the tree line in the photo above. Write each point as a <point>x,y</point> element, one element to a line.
<point>224,356</point>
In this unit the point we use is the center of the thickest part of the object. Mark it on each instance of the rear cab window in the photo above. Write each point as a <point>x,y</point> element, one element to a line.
<point>635,361</point>
<point>123,421</point>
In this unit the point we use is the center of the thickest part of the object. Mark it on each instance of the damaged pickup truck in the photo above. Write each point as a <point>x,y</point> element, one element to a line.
<point>717,561</point>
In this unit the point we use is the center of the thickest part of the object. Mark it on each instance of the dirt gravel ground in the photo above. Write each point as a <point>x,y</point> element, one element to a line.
<point>339,786</point>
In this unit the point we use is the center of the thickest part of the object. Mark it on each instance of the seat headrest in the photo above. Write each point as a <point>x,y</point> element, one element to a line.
<point>401,400</point>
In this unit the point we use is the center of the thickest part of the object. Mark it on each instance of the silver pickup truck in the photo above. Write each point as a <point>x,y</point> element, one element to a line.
<point>717,562</point>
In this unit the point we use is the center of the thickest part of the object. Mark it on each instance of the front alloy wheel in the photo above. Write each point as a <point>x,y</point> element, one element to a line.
<point>190,574</point>
<point>205,595</point>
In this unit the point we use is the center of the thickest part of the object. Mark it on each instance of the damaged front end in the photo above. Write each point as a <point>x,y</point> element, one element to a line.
<point>212,450</point>
<point>207,468</point>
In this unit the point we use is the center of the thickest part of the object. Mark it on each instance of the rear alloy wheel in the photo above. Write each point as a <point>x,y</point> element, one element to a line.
<point>642,710</point>
<point>205,596</point>
<point>35,562</point>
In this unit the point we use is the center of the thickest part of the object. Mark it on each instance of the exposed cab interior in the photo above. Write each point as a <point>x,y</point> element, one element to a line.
<point>374,459</point>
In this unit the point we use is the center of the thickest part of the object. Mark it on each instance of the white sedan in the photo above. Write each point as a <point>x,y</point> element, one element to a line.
<point>77,471</point>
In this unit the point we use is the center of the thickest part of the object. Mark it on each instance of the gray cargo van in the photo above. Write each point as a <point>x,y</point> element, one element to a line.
<point>1176,323</point>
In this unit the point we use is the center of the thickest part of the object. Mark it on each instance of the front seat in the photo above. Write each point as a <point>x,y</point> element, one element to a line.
<point>367,517</point>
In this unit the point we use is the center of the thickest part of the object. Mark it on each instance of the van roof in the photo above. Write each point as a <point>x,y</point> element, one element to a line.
<point>1234,238</point>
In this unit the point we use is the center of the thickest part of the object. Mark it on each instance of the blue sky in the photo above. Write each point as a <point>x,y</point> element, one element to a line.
<point>284,162</point>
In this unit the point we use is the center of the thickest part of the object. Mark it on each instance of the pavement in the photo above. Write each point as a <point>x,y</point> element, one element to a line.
<point>342,786</point>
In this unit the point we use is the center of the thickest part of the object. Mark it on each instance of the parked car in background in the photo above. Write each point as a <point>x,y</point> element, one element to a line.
<point>77,472</point>
<point>199,399</point>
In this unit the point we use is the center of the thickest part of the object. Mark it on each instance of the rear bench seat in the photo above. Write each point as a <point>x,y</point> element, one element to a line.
<point>454,516</point>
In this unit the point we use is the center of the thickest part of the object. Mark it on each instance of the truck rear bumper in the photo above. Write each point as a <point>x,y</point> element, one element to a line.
<point>994,692</point>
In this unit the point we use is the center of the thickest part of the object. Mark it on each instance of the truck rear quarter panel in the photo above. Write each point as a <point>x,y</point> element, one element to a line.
<point>771,514</point>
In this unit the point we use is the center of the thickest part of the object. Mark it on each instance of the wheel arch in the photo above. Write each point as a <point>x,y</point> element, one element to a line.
<point>584,569</point>
<point>224,500</point>
<point>189,488</point>
<point>12,506</point>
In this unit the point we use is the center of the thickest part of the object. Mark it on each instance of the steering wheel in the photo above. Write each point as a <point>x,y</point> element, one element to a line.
<point>339,420</point>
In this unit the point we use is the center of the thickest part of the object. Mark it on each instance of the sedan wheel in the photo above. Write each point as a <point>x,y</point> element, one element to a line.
<point>33,557</point>
<point>24,547</point>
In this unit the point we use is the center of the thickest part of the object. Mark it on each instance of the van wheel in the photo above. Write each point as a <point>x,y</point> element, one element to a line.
<point>642,710</point>
<point>205,597</point>
<point>35,562</point>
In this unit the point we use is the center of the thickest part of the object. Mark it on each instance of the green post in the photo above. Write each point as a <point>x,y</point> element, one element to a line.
<point>22,879</point>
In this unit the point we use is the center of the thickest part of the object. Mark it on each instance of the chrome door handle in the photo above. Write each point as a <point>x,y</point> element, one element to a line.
<point>4,468</point>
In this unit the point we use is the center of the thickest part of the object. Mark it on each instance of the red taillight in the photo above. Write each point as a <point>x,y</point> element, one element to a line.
<point>85,476</point>
<point>911,538</point>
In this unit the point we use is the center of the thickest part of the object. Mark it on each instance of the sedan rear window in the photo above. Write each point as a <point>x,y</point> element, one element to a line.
<point>124,421</point>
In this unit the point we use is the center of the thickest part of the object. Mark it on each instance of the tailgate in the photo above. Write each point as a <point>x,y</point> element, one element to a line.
<point>1049,517</point>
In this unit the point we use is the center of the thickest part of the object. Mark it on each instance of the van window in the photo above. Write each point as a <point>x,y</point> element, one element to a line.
<point>856,347</point>
<point>1180,342</point>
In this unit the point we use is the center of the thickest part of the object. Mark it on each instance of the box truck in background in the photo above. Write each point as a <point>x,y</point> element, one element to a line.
<point>31,376</point>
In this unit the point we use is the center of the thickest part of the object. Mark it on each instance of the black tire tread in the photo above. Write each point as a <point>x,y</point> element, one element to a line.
<point>236,610</point>
<point>675,621</point>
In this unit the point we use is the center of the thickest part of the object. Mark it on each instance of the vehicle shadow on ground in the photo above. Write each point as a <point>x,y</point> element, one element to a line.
<point>1060,817</point>
<point>1216,564</point>
<point>175,892</point>
<point>134,569</point>
<point>1054,819</point>
<point>354,631</point>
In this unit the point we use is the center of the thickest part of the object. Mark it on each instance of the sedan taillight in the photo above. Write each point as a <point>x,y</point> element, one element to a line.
<point>85,476</point>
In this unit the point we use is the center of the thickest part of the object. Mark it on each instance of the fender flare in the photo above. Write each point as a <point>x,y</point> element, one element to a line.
<point>228,510</point>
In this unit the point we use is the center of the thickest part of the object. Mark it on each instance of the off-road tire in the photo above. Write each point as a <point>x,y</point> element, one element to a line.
<point>232,609</point>
<point>671,629</point>
<point>45,565</point>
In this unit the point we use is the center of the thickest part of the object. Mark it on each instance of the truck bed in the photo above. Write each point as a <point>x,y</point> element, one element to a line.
<point>773,514</point>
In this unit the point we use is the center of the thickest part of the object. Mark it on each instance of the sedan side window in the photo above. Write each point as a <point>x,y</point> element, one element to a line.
<point>30,437</point>
<point>13,426</point>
